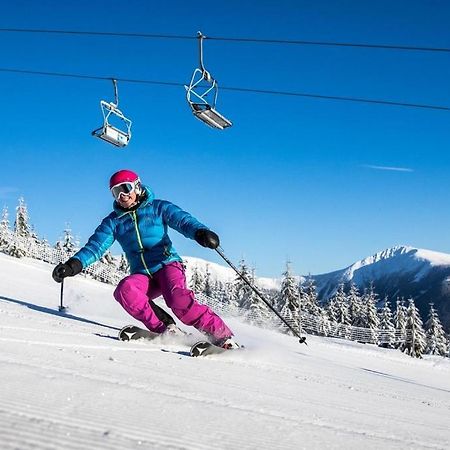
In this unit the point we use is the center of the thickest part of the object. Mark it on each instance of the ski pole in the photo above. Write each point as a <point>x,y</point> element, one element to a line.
<point>301,339</point>
<point>61,307</point>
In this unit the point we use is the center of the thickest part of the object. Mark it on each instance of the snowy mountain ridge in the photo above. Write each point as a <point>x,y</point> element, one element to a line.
<point>394,261</point>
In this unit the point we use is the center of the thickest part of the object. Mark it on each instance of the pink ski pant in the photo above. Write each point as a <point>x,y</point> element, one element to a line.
<point>135,291</point>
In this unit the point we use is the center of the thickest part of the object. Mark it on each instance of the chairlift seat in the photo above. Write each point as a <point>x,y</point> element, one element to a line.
<point>112,135</point>
<point>210,116</point>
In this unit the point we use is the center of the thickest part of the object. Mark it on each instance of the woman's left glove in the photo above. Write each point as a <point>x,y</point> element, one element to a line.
<point>70,268</point>
<point>207,238</point>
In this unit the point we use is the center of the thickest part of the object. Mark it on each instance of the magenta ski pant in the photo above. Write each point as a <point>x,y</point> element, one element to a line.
<point>135,291</point>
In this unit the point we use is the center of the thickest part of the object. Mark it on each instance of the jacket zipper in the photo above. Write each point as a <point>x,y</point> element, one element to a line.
<point>141,247</point>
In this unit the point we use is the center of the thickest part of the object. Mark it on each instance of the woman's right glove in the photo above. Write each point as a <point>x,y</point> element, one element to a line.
<point>207,238</point>
<point>70,268</point>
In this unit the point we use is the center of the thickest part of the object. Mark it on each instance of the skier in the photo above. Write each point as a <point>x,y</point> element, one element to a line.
<point>139,223</point>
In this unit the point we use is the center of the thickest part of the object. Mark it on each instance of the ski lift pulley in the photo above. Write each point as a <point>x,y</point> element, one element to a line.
<point>201,95</point>
<point>120,137</point>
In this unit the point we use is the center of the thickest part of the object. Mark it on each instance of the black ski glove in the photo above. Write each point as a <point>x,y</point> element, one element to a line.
<point>70,268</point>
<point>207,238</point>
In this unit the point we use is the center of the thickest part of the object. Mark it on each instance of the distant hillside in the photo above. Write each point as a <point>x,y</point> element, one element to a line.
<point>398,272</point>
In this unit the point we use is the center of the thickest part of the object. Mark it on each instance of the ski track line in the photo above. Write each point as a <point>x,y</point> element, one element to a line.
<point>82,346</point>
<point>21,428</point>
<point>343,408</point>
<point>90,423</point>
<point>318,423</point>
<point>332,381</point>
<point>335,406</point>
<point>48,331</point>
<point>157,349</point>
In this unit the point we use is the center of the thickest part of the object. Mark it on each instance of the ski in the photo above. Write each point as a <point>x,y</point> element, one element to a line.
<point>132,333</point>
<point>205,348</point>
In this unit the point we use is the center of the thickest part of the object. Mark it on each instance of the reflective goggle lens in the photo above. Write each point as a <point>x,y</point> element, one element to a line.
<point>124,188</point>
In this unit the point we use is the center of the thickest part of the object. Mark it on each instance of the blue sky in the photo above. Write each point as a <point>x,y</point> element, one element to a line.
<point>301,179</point>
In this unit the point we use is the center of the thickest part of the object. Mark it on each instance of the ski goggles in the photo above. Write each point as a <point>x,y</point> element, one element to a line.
<point>125,188</point>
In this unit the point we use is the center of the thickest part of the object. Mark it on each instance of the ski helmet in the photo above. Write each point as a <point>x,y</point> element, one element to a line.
<point>125,177</point>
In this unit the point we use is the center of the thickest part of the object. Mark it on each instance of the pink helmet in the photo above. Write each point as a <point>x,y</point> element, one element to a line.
<point>123,176</point>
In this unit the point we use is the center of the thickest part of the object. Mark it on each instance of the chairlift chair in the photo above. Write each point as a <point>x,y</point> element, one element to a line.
<point>109,133</point>
<point>201,95</point>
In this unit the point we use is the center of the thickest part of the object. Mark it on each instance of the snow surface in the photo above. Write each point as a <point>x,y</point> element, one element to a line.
<point>67,382</point>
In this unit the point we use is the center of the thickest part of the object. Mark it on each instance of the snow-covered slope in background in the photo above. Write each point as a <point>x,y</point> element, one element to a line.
<point>67,382</point>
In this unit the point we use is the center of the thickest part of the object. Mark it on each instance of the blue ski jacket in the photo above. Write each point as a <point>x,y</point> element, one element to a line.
<point>142,233</point>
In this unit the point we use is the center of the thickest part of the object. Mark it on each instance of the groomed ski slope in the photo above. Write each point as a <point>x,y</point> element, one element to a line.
<point>67,382</point>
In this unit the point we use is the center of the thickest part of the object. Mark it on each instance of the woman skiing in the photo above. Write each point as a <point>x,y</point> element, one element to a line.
<point>139,223</point>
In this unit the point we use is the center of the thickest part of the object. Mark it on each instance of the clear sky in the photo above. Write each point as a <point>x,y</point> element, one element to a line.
<point>294,178</point>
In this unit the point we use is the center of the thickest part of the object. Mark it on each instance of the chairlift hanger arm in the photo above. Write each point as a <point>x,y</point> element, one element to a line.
<point>205,74</point>
<point>116,93</point>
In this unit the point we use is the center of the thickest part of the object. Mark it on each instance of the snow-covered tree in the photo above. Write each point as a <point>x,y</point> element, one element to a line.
<point>108,259</point>
<point>208,288</point>
<point>416,341</point>
<point>324,325</point>
<point>356,309</point>
<point>373,322</point>
<point>437,343</point>
<point>400,322</point>
<point>242,291</point>
<point>22,227</point>
<point>289,293</point>
<point>124,266</point>
<point>289,298</point>
<point>258,312</point>
<point>339,312</point>
<point>4,229</point>
<point>309,298</point>
<point>386,326</point>
<point>341,306</point>
<point>68,241</point>
<point>196,282</point>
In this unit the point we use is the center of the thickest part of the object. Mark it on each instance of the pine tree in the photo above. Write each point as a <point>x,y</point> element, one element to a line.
<point>355,307</point>
<point>324,325</point>
<point>21,225</point>
<point>197,281</point>
<point>400,323</point>
<point>387,326</point>
<point>340,312</point>
<point>310,300</point>
<point>373,322</point>
<point>416,343</point>
<point>258,312</point>
<point>242,291</point>
<point>289,298</point>
<point>437,343</point>
<point>124,266</point>
<point>4,229</point>
<point>207,285</point>
<point>68,244</point>
<point>20,244</point>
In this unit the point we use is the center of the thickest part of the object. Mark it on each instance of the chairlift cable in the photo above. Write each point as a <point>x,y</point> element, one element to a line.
<point>237,39</point>
<point>236,89</point>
